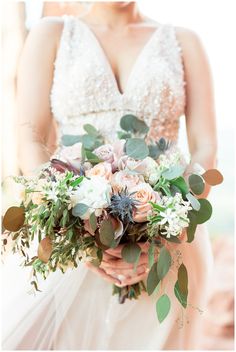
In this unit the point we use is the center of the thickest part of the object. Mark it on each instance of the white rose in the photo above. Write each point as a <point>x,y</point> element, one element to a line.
<point>95,193</point>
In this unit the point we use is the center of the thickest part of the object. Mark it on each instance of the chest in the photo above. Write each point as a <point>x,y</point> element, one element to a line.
<point>96,73</point>
<point>121,50</point>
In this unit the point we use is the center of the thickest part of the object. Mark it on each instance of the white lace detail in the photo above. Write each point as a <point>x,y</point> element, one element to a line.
<point>84,88</point>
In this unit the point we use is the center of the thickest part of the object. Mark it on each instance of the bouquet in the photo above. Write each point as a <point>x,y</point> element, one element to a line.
<point>93,196</point>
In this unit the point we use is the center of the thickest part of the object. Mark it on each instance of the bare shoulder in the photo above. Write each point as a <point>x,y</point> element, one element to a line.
<point>189,40</point>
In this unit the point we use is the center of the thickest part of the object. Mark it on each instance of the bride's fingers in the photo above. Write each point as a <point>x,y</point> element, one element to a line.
<point>121,264</point>
<point>132,280</point>
<point>103,274</point>
<point>126,272</point>
<point>116,252</point>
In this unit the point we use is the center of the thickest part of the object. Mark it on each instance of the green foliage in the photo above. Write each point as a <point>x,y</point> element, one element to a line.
<point>163,307</point>
<point>80,209</point>
<point>173,172</point>
<point>181,286</point>
<point>77,181</point>
<point>152,279</point>
<point>151,253</point>
<point>91,130</point>
<point>183,279</point>
<point>196,184</point>
<point>181,185</point>
<point>204,212</point>
<point>131,252</point>
<point>191,229</point>
<point>163,263</point>
<point>93,221</point>
<point>68,140</point>
<point>91,157</point>
<point>136,148</point>
<point>106,233</point>
<point>160,147</point>
<point>182,298</point>
<point>131,123</point>
<point>193,201</point>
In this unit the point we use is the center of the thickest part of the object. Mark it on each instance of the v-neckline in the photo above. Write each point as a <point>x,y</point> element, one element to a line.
<point>107,62</point>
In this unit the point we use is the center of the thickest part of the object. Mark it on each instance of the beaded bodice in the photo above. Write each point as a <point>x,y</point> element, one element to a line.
<point>85,90</point>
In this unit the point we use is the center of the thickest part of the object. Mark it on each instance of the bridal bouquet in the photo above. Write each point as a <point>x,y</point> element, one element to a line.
<point>94,196</point>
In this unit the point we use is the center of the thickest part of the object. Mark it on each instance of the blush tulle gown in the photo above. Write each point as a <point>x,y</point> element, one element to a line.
<point>76,311</point>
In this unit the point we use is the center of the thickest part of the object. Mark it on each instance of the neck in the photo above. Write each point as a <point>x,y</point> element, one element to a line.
<point>113,14</point>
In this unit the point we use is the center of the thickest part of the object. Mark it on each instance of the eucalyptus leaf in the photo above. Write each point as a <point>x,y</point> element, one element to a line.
<point>205,211</point>
<point>183,279</point>
<point>152,279</point>
<point>127,122</point>
<point>213,177</point>
<point>136,148</point>
<point>89,141</point>
<point>182,298</point>
<point>123,135</point>
<point>91,130</point>
<point>68,140</point>
<point>140,126</point>
<point>163,263</point>
<point>191,229</point>
<point>80,209</point>
<point>93,221</point>
<point>13,219</point>
<point>163,307</point>
<point>154,151</point>
<point>91,157</point>
<point>173,172</point>
<point>131,252</point>
<point>196,184</point>
<point>180,184</point>
<point>194,201</point>
<point>106,233</point>
<point>130,123</point>
<point>151,252</point>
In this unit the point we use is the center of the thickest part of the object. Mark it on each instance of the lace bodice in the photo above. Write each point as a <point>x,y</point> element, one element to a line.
<point>85,90</point>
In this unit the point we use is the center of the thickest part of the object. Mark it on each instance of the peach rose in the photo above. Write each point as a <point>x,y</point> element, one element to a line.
<point>37,198</point>
<point>143,193</point>
<point>72,154</point>
<point>102,169</point>
<point>122,179</point>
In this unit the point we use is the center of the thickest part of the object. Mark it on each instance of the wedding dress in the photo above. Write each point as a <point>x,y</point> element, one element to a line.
<point>76,310</point>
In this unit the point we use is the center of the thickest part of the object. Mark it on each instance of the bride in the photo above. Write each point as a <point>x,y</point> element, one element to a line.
<point>95,69</point>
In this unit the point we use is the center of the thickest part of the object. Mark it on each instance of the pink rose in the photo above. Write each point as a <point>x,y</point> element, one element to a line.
<point>122,179</point>
<point>102,169</point>
<point>141,166</point>
<point>72,154</point>
<point>111,153</point>
<point>143,193</point>
<point>105,153</point>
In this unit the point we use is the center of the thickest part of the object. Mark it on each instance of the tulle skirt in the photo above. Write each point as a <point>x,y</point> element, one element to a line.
<point>76,310</point>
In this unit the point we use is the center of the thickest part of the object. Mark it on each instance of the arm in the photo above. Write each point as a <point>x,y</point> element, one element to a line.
<point>34,80</point>
<point>200,108</point>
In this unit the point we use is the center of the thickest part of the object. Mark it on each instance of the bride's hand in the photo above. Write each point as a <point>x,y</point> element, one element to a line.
<point>115,270</point>
<point>115,266</point>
